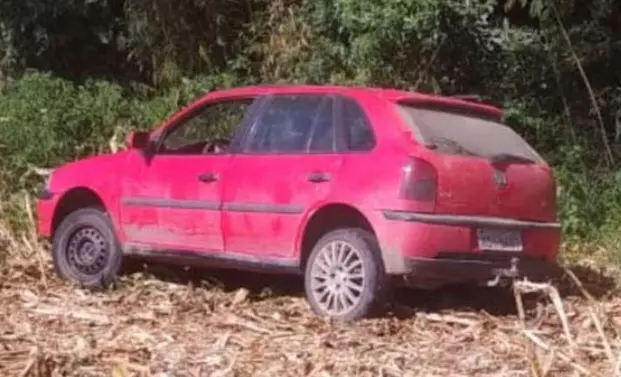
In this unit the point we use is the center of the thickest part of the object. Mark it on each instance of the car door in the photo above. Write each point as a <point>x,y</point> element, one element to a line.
<point>172,199</point>
<point>287,167</point>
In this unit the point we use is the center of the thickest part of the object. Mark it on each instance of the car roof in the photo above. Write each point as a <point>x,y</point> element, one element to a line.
<point>390,94</point>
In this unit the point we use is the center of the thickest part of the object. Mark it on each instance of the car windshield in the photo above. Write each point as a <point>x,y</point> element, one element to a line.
<point>455,133</point>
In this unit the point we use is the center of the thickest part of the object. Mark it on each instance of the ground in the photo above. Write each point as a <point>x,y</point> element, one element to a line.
<point>217,323</point>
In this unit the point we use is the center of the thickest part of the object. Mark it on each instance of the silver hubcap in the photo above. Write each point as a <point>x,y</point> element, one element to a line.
<point>337,278</point>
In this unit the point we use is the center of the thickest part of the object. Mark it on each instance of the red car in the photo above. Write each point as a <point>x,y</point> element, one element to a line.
<point>356,188</point>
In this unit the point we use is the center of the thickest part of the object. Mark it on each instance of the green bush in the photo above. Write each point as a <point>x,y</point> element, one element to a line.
<point>46,120</point>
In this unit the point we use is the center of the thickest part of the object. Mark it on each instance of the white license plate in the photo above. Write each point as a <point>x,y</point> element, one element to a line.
<point>499,240</point>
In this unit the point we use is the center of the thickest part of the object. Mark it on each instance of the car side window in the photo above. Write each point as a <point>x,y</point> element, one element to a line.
<point>358,131</point>
<point>294,124</point>
<point>323,134</point>
<point>213,124</point>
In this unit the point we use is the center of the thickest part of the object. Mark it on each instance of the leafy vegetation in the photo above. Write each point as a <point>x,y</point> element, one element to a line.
<point>101,66</point>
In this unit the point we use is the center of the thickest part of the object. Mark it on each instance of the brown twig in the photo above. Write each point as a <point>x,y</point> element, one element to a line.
<point>594,316</point>
<point>32,241</point>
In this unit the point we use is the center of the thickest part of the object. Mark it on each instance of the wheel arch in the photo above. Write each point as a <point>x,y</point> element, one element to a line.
<point>74,199</point>
<point>325,218</point>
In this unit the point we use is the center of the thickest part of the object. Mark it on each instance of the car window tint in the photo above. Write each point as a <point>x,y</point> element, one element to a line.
<point>358,132</point>
<point>322,138</point>
<point>294,124</point>
<point>452,131</point>
<point>215,121</point>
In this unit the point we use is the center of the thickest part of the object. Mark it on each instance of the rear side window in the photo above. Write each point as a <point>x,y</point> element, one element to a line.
<point>358,132</point>
<point>294,124</point>
<point>454,133</point>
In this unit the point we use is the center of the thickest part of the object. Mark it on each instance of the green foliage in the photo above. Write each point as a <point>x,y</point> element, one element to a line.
<point>171,39</point>
<point>407,43</point>
<point>45,121</point>
<point>74,38</point>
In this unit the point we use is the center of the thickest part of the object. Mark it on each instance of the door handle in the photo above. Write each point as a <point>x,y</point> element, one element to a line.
<point>318,177</point>
<point>208,177</point>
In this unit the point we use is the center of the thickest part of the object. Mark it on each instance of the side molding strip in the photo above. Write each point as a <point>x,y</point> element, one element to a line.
<point>171,203</point>
<point>215,206</point>
<point>290,209</point>
<point>464,220</point>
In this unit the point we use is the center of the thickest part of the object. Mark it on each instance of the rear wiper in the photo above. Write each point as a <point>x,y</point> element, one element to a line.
<point>508,157</point>
<point>455,146</point>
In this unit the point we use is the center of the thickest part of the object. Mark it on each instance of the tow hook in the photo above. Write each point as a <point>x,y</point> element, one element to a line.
<point>504,275</point>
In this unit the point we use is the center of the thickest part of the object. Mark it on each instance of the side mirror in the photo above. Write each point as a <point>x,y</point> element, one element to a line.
<point>138,140</point>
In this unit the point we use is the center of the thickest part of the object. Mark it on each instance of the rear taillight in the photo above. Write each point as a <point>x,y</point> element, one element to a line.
<point>553,195</point>
<point>419,185</point>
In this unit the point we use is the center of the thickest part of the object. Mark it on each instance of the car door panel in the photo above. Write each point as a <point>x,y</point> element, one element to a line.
<point>286,168</point>
<point>168,206</point>
<point>268,198</point>
<point>172,200</point>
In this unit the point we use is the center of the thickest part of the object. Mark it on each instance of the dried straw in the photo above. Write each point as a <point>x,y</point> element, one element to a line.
<point>151,326</point>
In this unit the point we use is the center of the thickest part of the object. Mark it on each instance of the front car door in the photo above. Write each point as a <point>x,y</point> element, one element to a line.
<point>287,167</point>
<point>172,200</point>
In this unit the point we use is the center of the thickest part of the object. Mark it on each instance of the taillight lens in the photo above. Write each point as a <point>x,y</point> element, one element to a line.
<point>419,185</point>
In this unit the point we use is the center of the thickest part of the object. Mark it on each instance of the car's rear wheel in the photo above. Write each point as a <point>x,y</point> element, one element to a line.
<point>85,249</point>
<point>345,277</point>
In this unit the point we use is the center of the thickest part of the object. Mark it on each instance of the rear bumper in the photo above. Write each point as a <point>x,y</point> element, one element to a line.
<point>446,247</point>
<point>447,270</point>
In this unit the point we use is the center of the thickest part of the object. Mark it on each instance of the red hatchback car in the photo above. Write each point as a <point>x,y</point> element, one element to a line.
<point>356,188</point>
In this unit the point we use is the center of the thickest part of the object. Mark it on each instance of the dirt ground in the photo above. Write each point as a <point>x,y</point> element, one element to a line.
<point>173,323</point>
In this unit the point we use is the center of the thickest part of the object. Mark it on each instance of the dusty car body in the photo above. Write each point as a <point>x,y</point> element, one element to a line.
<point>356,188</point>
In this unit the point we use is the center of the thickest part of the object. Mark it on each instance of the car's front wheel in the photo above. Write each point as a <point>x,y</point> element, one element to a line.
<point>344,275</point>
<point>85,249</point>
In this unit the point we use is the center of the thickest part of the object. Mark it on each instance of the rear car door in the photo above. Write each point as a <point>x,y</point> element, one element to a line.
<point>287,166</point>
<point>172,199</point>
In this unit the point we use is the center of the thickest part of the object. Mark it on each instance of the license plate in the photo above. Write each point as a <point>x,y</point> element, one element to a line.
<point>499,240</point>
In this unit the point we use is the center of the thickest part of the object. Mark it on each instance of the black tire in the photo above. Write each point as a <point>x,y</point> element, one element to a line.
<point>374,295</point>
<point>92,229</point>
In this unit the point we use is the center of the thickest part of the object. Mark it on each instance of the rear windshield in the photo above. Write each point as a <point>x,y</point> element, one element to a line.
<point>455,133</point>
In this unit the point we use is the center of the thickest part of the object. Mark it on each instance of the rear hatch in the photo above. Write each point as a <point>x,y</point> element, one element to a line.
<point>484,168</point>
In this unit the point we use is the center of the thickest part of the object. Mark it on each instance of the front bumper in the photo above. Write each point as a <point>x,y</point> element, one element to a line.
<point>45,210</point>
<point>461,269</point>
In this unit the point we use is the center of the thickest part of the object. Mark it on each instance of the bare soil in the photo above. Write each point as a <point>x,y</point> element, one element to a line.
<point>217,323</point>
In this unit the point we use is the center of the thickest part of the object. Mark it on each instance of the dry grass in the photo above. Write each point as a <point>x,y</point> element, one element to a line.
<point>246,325</point>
